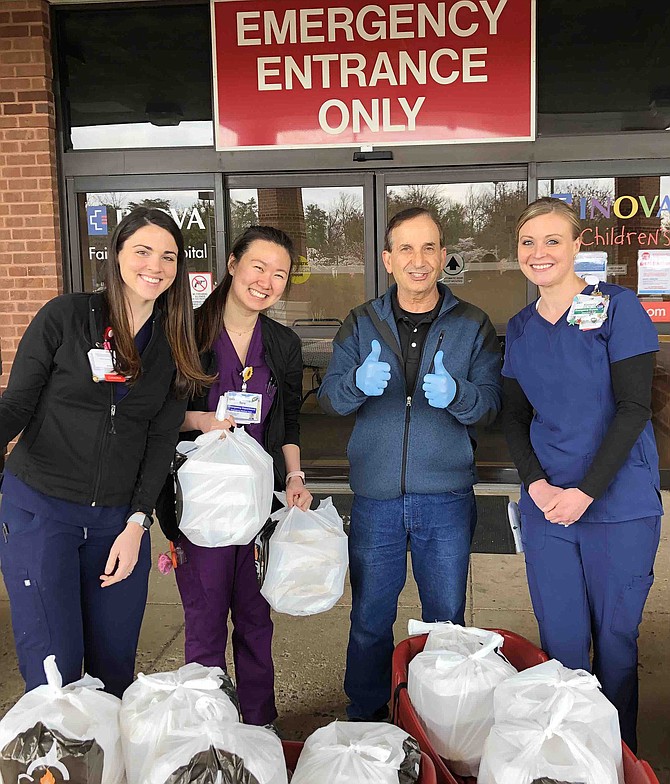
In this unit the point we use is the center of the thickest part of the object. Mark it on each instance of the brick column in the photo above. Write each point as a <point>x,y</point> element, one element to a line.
<point>282,208</point>
<point>31,269</point>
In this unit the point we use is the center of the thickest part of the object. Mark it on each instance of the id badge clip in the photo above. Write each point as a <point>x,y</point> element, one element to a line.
<point>101,361</point>
<point>244,407</point>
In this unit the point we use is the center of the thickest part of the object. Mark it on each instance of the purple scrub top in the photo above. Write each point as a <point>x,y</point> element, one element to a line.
<point>230,376</point>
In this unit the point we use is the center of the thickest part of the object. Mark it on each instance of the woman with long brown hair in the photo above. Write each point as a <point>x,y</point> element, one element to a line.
<point>98,388</point>
<point>244,346</point>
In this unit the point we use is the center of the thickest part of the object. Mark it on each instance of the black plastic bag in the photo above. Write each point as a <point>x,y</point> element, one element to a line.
<point>409,768</point>
<point>213,766</point>
<point>546,780</point>
<point>262,550</point>
<point>39,751</point>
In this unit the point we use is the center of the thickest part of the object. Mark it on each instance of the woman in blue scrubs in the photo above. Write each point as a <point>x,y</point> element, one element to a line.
<point>577,379</point>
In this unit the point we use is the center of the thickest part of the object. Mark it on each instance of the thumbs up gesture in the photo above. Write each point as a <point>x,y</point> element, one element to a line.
<point>373,376</point>
<point>440,387</point>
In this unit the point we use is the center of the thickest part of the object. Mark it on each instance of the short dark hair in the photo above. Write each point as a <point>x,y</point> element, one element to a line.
<point>406,215</point>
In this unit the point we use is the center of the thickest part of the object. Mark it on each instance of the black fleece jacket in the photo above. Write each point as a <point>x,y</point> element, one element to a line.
<point>77,443</point>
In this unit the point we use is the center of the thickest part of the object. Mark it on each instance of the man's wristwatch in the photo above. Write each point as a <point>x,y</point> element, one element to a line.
<point>141,519</point>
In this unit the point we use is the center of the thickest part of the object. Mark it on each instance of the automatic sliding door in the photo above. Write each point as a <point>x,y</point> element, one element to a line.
<point>478,220</point>
<point>328,218</point>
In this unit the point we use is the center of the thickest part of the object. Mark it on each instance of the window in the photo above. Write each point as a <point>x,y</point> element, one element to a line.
<point>137,77</point>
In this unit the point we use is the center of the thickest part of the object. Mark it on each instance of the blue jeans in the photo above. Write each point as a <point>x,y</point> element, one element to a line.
<point>439,528</point>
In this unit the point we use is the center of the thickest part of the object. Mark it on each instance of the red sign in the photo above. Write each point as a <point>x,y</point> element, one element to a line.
<point>292,74</point>
<point>657,311</point>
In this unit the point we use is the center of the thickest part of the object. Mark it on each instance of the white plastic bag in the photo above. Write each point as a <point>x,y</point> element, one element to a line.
<point>307,562</point>
<point>215,747</point>
<point>550,745</point>
<point>77,712</point>
<point>226,489</point>
<point>155,706</point>
<point>536,691</point>
<point>448,636</point>
<point>452,694</point>
<point>353,753</point>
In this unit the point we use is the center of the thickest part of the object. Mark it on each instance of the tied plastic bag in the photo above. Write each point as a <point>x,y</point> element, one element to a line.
<point>452,693</point>
<point>220,753</point>
<point>58,733</point>
<point>448,636</point>
<point>551,746</point>
<point>224,488</point>
<point>353,753</point>
<point>156,706</point>
<point>307,559</point>
<point>537,690</point>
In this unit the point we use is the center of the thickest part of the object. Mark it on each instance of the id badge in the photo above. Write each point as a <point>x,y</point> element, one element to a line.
<point>101,361</point>
<point>588,311</point>
<point>244,407</point>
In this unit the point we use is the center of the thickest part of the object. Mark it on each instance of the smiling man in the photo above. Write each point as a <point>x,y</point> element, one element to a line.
<point>420,368</point>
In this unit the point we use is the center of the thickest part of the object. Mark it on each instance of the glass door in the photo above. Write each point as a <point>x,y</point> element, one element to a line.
<point>477,211</point>
<point>98,204</point>
<point>330,219</point>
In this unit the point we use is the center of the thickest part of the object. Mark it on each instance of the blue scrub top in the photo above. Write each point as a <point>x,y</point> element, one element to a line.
<point>565,374</point>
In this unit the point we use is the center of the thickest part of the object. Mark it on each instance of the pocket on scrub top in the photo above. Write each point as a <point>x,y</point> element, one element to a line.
<point>630,604</point>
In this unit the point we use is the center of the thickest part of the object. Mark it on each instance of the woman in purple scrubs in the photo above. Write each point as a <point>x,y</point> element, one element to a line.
<point>577,381</point>
<point>233,333</point>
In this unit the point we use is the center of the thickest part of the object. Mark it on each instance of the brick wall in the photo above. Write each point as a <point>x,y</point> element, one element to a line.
<point>30,251</point>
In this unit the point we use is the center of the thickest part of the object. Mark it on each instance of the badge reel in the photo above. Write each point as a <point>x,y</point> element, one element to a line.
<point>101,361</point>
<point>589,311</point>
<point>244,407</point>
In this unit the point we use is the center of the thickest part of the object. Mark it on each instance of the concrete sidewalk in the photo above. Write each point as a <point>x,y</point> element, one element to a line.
<point>310,652</point>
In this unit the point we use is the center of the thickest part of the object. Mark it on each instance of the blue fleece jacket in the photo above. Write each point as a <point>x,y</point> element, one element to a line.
<point>400,444</point>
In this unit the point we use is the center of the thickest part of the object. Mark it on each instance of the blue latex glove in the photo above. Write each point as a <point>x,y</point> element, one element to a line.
<point>373,376</point>
<point>440,387</point>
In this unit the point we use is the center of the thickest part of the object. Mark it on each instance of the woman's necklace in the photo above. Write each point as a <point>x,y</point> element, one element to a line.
<point>237,332</point>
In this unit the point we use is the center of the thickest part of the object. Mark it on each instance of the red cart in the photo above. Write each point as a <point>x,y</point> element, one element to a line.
<point>293,748</point>
<point>521,654</point>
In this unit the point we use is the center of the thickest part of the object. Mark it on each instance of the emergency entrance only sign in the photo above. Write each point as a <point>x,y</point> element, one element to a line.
<point>354,73</point>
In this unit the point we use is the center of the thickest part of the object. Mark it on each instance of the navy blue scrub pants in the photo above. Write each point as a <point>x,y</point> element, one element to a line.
<point>52,574</point>
<point>588,584</point>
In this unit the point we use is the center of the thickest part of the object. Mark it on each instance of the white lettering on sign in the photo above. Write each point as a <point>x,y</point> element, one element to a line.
<point>378,118</point>
<point>342,70</point>
<point>433,44</point>
<point>185,218</point>
<point>371,23</point>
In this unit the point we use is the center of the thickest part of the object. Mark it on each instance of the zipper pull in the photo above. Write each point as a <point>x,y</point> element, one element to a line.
<point>112,410</point>
<point>409,401</point>
<point>5,532</point>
